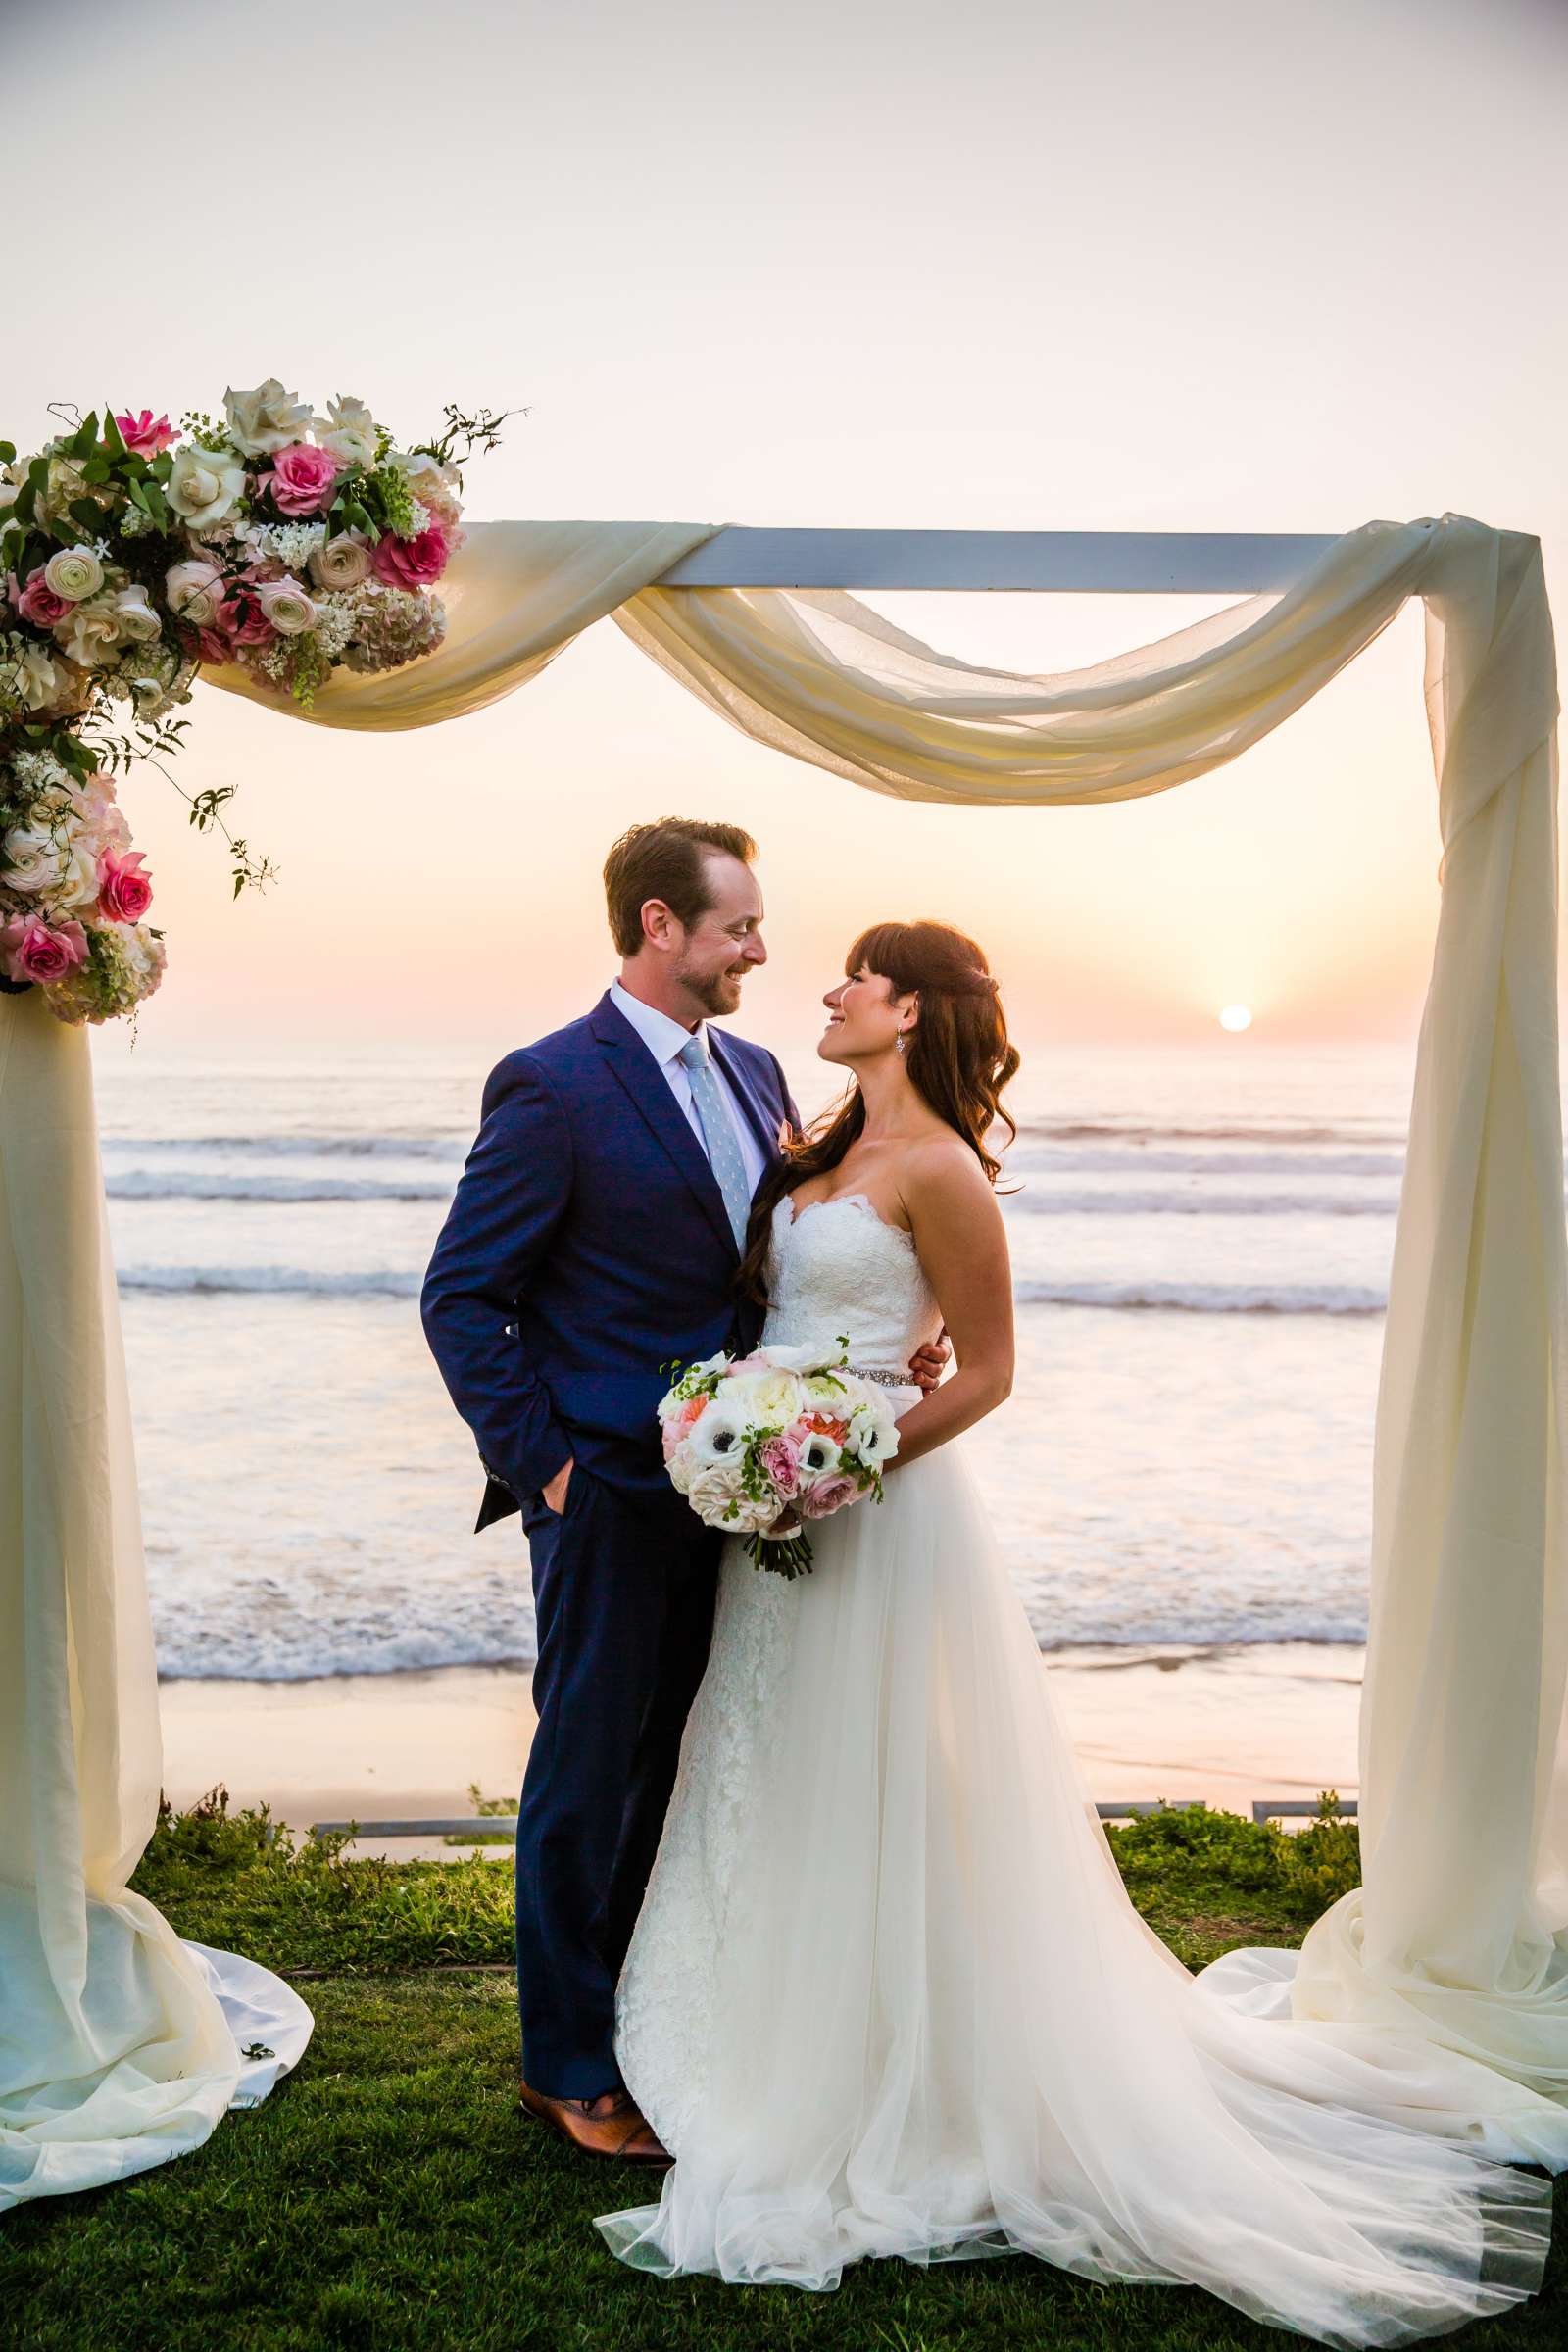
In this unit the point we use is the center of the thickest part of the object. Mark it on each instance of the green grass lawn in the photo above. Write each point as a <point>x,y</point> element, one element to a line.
<point>389,2198</point>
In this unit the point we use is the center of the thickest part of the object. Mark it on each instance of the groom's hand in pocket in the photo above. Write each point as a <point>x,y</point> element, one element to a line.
<point>928,1364</point>
<point>554,1494</point>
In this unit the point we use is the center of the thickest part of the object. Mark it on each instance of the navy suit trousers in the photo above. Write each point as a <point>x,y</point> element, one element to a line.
<point>624,1596</point>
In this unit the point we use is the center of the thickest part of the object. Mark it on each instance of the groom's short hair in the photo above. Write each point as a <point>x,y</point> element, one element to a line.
<point>666,860</point>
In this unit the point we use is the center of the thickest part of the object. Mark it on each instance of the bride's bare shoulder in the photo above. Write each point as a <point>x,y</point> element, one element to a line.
<point>939,1172</point>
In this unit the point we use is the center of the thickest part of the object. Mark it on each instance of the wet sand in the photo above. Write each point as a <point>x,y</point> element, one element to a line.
<point>1228,1726</point>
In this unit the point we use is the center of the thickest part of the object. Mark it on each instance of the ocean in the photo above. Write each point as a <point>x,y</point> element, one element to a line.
<point>1200,1241</point>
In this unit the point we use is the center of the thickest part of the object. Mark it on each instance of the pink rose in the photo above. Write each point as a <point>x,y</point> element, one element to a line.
<point>828,1496</point>
<point>782,1462</point>
<point>241,617</point>
<point>410,563</point>
<point>144,435</point>
<point>38,603</point>
<point>302,479</point>
<point>32,950</point>
<point>124,892</point>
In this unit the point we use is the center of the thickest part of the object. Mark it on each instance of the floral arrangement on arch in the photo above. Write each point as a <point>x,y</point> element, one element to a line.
<point>130,553</point>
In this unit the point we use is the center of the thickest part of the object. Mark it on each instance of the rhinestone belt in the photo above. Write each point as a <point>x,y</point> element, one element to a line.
<point>886,1380</point>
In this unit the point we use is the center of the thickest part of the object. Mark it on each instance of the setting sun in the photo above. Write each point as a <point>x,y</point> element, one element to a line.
<point>1236,1018</point>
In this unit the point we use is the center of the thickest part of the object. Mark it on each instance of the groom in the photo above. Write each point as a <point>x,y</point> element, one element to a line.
<point>594,1239</point>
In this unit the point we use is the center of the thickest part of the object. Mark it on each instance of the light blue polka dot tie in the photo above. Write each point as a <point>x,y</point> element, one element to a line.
<point>718,1134</point>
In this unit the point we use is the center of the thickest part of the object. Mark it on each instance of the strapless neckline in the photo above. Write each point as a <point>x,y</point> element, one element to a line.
<point>845,1201</point>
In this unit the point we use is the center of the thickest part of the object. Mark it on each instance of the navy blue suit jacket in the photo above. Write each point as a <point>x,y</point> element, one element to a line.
<point>587,1247</point>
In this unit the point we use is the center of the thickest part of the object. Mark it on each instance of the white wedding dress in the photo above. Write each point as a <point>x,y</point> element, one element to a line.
<point>888,1995</point>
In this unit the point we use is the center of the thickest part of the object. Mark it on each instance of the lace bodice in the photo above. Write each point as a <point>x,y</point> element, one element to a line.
<point>838,1267</point>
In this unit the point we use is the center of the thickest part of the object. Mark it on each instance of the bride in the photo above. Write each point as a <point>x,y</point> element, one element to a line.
<point>887,1993</point>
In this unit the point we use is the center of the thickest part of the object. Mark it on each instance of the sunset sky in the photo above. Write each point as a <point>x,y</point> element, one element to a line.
<point>1231,266</point>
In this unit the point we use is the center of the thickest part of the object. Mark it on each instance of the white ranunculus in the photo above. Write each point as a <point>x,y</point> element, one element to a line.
<point>266,419</point>
<point>205,484</point>
<point>90,634</point>
<point>137,619</point>
<point>349,430</point>
<point>341,562</point>
<point>286,605</point>
<point>33,860</point>
<point>75,571</point>
<point>195,590</point>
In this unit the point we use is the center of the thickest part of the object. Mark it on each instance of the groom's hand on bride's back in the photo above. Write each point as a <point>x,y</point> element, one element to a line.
<point>928,1364</point>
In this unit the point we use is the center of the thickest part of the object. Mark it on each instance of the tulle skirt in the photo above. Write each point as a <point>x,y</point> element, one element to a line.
<point>888,1994</point>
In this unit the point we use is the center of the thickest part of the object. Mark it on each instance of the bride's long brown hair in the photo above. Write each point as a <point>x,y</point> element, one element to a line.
<point>958,1057</point>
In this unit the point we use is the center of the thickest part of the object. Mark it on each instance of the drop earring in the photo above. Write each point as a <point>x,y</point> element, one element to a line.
<point>899,1044</point>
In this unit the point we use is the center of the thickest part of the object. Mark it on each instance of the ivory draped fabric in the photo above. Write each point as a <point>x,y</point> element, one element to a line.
<point>1460,1935</point>
<point>117,2041</point>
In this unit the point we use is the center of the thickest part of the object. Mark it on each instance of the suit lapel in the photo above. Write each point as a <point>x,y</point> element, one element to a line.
<point>650,1090</point>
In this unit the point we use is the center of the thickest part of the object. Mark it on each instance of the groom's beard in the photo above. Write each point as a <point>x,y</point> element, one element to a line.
<point>717,993</point>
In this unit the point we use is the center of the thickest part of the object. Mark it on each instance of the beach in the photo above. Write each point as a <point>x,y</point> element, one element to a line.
<point>1224,1726</point>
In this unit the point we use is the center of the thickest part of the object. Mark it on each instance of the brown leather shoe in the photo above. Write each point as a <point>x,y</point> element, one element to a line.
<point>610,2125</point>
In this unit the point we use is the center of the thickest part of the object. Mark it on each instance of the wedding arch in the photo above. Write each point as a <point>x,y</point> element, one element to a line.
<point>1459,1933</point>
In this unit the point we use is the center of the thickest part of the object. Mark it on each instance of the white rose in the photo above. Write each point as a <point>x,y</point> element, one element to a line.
<point>720,1500</point>
<point>78,873</point>
<point>267,418</point>
<point>89,633</point>
<point>436,487</point>
<point>341,562</point>
<point>775,1396</point>
<point>137,619</point>
<point>75,571</point>
<point>204,485</point>
<point>195,590</point>
<point>30,676</point>
<point>349,430</point>
<point>286,605</point>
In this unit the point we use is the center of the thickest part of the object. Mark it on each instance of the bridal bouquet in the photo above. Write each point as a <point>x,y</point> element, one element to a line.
<point>785,1433</point>
<point>130,553</point>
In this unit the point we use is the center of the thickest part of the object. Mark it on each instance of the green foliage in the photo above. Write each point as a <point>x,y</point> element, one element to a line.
<point>1189,1849</point>
<point>487,1808</point>
<point>245,1883</point>
<point>464,434</point>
